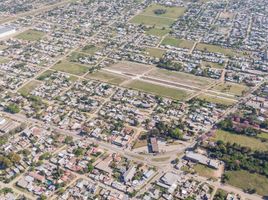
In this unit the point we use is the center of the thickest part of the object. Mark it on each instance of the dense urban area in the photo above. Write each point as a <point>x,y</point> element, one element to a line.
<point>133,99</point>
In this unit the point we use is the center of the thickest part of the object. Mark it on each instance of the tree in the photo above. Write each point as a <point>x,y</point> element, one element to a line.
<point>14,157</point>
<point>13,108</point>
<point>68,139</point>
<point>176,133</point>
<point>90,167</point>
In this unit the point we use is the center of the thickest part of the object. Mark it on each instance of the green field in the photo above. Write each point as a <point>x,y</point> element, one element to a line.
<point>45,75</point>
<point>157,32</point>
<point>187,44</point>
<point>251,142</point>
<point>170,12</point>
<point>152,21</point>
<point>157,89</point>
<point>107,77</point>
<point>216,99</point>
<point>263,136</point>
<point>155,52</point>
<point>72,68</point>
<point>245,180</point>
<point>89,49</point>
<point>231,88</point>
<point>26,89</point>
<point>217,49</point>
<point>204,171</point>
<point>31,35</point>
<point>212,65</point>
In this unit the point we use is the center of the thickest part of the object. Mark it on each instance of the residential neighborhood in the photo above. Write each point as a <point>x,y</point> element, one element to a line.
<point>136,99</point>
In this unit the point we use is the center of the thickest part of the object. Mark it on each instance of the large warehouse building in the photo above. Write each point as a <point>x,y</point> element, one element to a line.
<point>6,31</point>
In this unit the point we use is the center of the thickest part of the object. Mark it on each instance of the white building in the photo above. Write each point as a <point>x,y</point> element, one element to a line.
<point>6,31</point>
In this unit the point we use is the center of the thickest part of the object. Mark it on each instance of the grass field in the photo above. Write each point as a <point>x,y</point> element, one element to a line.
<point>217,49</point>
<point>45,75</point>
<point>212,65</point>
<point>72,68</point>
<point>263,135</point>
<point>26,89</point>
<point>187,44</point>
<point>231,88</point>
<point>157,89</point>
<point>107,77</point>
<point>155,52</point>
<point>251,142</point>
<point>152,21</point>
<point>171,12</point>
<point>157,32</point>
<point>31,35</point>
<point>216,99</point>
<point>245,180</point>
<point>204,171</point>
<point>180,77</point>
<point>89,49</point>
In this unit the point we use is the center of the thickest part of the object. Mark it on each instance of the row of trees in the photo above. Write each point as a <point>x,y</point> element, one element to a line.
<point>237,157</point>
<point>228,125</point>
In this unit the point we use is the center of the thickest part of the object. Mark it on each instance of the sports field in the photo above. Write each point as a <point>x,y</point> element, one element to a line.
<point>157,89</point>
<point>218,49</point>
<point>151,17</point>
<point>187,44</point>
<point>155,52</point>
<point>31,35</point>
<point>108,77</point>
<point>72,68</point>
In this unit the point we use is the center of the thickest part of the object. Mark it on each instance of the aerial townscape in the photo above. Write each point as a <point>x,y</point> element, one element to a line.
<point>133,99</point>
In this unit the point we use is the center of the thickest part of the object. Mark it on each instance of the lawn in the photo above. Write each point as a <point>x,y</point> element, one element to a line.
<point>170,12</point>
<point>31,35</point>
<point>218,49</point>
<point>152,21</point>
<point>186,44</point>
<point>89,49</point>
<point>107,77</point>
<point>204,171</point>
<point>263,135</point>
<point>245,180</point>
<point>157,32</point>
<point>26,89</point>
<point>45,75</point>
<point>155,52</point>
<point>72,68</point>
<point>217,99</point>
<point>251,142</point>
<point>157,89</point>
<point>212,65</point>
<point>231,88</point>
